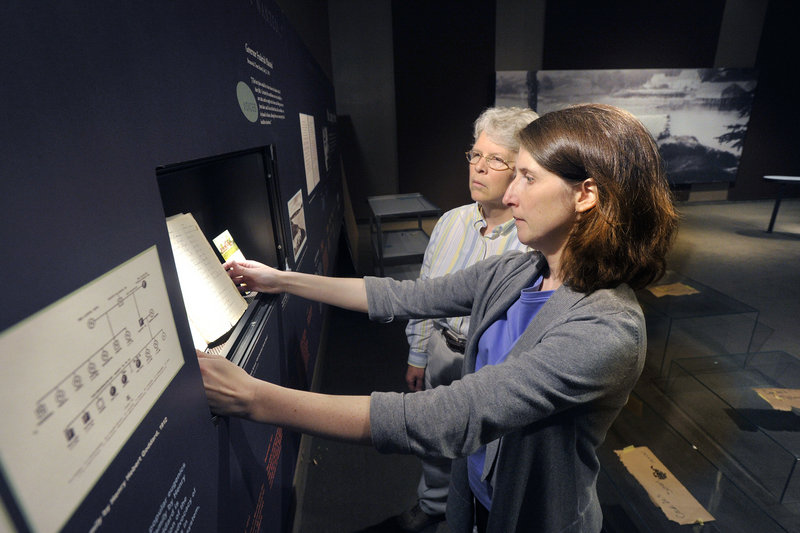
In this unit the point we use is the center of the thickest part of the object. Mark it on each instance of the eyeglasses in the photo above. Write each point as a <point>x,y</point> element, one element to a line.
<point>494,162</point>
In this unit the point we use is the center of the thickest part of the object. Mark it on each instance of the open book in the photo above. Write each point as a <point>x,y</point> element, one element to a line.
<point>212,301</point>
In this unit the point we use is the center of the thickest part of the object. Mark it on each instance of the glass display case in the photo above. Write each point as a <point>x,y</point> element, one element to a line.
<point>719,394</point>
<point>627,506</point>
<point>688,319</point>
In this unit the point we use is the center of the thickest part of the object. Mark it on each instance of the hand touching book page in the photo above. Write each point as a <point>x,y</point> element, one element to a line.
<point>212,301</point>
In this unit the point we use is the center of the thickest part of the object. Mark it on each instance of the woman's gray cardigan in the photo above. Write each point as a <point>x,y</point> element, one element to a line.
<point>542,413</point>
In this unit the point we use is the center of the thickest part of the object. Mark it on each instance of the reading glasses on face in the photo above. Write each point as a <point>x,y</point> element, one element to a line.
<point>492,161</point>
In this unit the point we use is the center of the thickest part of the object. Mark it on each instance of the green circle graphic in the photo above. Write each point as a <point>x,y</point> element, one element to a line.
<point>247,101</point>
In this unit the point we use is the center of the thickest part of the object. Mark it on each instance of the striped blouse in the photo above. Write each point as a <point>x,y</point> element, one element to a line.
<point>456,243</point>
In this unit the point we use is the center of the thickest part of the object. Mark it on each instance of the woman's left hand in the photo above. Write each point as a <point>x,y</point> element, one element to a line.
<point>233,392</point>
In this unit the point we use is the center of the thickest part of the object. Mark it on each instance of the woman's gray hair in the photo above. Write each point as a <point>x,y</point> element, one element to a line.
<point>502,124</point>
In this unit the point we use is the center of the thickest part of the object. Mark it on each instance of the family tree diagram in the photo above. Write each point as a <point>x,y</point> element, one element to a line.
<point>79,378</point>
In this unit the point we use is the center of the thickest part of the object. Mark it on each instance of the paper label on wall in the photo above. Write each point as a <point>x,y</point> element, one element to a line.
<point>260,98</point>
<point>310,155</point>
<point>78,378</point>
<point>664,489</point>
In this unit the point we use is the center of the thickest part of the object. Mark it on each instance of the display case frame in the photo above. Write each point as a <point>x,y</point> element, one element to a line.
<point>693,320</point>
<point>626,504</point>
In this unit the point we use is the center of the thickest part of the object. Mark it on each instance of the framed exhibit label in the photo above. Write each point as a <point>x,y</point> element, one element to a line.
<point>78,378</point>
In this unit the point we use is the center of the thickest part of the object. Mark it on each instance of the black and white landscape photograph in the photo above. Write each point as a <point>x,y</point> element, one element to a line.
<point>697,116</point>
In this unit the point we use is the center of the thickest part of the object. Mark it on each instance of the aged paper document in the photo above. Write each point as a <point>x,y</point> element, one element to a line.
<point>663,488</point>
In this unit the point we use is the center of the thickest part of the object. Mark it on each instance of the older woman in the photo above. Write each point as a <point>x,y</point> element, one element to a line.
<point>556,342</point>
<point>462,237</point>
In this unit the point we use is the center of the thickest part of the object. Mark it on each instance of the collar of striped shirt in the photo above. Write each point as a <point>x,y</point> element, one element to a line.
<point>499,230</point>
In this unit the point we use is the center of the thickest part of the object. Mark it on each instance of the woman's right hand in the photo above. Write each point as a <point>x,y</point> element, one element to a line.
<point>254,276</point>
<point>229,389</point>
<point>415,378</point>
<point>349,293</point>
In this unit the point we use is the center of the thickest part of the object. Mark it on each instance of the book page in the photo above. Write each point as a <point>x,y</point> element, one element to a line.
<point>197,338</point>
<point>212,301</point>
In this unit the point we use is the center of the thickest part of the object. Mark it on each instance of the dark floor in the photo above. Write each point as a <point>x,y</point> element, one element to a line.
<point>722,246</point>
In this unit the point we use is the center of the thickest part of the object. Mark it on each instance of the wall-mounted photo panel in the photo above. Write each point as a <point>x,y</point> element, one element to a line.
<point>698,117</point>
<point>69,416</point>
<point>297,224</point>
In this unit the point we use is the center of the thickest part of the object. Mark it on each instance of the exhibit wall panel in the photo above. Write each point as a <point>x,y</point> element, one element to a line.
<point>96,97</point>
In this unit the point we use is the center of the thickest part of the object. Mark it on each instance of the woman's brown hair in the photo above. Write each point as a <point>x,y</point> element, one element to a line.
<point>625,237</point>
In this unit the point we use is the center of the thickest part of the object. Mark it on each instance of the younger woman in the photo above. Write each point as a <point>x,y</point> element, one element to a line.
<point>556,341</point>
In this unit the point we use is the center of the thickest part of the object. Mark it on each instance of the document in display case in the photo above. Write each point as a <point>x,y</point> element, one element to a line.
<point>232,196</point>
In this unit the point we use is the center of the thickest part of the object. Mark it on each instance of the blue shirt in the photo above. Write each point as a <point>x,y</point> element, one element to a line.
<point>456,243</point>
<point>493,348</point>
